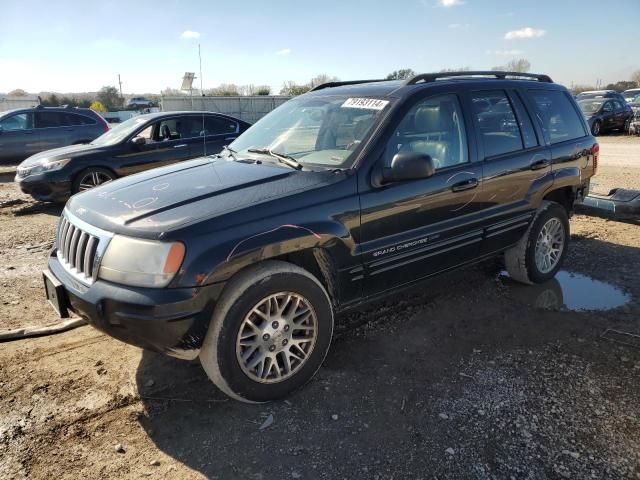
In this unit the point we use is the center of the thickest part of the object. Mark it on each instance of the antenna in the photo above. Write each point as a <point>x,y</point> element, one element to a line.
<point>204,137</point>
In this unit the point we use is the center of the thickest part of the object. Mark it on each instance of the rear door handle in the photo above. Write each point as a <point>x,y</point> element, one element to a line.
<point>465,185</point>
<point>540,164</point>
<point>182,145</point>
<point>229,138</point>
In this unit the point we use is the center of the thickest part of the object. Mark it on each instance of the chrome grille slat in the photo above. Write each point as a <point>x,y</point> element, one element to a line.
<point>80,247</point>
<point>73,244</point>
<point>89,255</point>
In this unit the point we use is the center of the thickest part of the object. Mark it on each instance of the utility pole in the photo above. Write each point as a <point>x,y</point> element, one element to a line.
<point>120,83</point>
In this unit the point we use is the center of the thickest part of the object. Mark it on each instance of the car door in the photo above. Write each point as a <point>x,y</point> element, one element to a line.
<point>514,160</point>
<point>619,113</point>
<point>564,129</point>
<point>214,132</point>
<point>163,145</point>
<point>18,138</point>
<point>608,115</point>
<point>413,229</point>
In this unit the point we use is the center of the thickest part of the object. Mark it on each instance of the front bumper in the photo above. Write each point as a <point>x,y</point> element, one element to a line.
<point>45,187</point>
<point>168,320</point>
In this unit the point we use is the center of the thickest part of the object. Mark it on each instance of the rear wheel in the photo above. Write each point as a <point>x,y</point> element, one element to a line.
<point>269,333</point>
<point>627,124</point>
<point>538,255</point>
<point>596,128</point>
<point>91,178</point>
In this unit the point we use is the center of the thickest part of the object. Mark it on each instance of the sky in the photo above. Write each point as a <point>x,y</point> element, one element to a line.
<point>77,46</point>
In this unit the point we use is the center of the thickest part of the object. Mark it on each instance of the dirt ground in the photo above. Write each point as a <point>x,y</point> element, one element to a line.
<point>468,376</point>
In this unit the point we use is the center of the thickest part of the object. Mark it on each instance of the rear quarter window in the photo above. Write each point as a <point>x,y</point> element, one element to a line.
<point>559,118</point>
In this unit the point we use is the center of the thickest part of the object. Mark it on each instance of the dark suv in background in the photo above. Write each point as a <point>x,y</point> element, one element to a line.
<point>26,131</point>
<point>140,143</point>
<point>336,198</point>
<point>606,114</point>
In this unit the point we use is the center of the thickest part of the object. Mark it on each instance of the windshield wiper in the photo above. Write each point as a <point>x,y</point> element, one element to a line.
<point>281,157</point>
<point>231,151</point>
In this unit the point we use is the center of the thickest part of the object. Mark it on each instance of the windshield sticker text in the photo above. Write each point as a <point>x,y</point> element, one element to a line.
<point>366,103</point>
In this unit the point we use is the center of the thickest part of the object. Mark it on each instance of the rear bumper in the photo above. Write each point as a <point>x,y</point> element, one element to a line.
<point>171,321</point>
<point>619,200</point>
<point>45,188</point>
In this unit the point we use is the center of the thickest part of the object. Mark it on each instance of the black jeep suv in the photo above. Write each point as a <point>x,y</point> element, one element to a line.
<point>338,197</point>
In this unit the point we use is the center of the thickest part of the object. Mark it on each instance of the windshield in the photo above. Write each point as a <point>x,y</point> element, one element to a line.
<point>119,133</point>
<point>314,130</point>
<point>590,106</point>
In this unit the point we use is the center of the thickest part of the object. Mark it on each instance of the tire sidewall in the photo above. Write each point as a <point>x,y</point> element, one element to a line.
<point>598,130</point>
<point>237,382</point>
<point>552,211</point>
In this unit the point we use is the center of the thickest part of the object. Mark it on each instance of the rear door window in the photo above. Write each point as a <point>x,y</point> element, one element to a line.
<point>496,121</point>
<point>51,120</point>
<point>559,119</point>
<point>219,126</point>
<point>529,136</point>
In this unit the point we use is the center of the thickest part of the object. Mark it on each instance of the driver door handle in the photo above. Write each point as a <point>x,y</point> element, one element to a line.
<point>182,145</point>
<point>465,185</point>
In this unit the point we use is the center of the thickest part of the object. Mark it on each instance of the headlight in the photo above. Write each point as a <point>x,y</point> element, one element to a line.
<point>47,165</point>
<point>141,263</point>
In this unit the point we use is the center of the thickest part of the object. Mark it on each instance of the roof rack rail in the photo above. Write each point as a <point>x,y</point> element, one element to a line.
<point>432,77</point>
<point>322,86</point>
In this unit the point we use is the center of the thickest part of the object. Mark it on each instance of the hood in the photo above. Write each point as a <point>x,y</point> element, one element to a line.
<point>60,153</point>
<point>165,198</point>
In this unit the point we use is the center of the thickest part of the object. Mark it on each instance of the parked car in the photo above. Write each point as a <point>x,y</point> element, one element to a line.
<point>604,115</point>
<point>600,94</point>
<point>26,131</point>
<point>140,143</point>
<point>137,103</point>
<point>338,197</point>
<point>631,95</point>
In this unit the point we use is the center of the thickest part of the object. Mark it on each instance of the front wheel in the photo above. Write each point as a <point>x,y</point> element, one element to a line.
<point>269,333</point>
<point>596,128</point>
<point>627,125</point>
<point>539,254</point>
<point>91,178</point>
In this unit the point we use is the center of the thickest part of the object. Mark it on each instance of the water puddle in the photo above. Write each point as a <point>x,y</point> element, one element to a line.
<point>569,291</point>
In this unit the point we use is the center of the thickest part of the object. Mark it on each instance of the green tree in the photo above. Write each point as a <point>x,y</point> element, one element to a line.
<point>292,89</point>
<point>50,100</point>
<point>18,92</point>
<point>109,97</point>
<point>224,90</point>
<point>402,74</point>
<point>263,90</point>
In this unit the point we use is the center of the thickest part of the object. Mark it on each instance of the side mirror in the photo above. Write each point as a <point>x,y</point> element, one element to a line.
<point>409,166</point>
<point>138,141</point>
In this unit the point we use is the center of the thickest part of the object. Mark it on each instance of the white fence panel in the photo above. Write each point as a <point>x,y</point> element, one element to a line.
<point>9,103</point>
<point>247,108</point>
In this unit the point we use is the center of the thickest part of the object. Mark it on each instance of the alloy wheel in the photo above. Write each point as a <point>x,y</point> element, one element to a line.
<point>276,337</point>
<point>93,179</point>
<point>549,245</point>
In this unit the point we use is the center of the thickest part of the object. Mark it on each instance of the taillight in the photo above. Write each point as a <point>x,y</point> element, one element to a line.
<point>595,151</point>
<point>105,124</point>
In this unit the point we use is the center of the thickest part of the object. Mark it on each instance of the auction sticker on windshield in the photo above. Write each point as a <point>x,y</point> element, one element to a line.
<point>367,103</point>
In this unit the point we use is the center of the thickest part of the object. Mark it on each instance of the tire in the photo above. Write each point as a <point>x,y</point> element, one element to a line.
<point>97,176</point>
<point>627,124</point>
<point>222,353</point>
<point>596,128</point>
<point>520,260</point>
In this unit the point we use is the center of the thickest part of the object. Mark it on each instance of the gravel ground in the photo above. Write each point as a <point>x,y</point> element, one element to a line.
<point>463,377</point>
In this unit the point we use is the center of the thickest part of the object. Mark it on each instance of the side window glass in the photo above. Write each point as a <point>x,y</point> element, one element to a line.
<point>20,121</point>
<point>169,129</point>
<point>71,119</point>
<point>558,116</point>
<point>146,133</point>
<point>529,136</point>
<point>617,105</point>
<point>50,120</point>
<point>499,131</point>
<point>607,107</point>
<point>218,126</point>
<point>434,126</point>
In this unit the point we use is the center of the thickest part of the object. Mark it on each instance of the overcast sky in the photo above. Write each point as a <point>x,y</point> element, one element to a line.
<point>74,46</point>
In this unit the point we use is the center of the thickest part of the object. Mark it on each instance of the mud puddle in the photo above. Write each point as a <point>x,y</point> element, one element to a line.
<point>568,291</point>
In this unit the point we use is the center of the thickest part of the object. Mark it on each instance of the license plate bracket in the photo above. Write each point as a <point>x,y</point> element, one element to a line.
<point>56,294</point>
